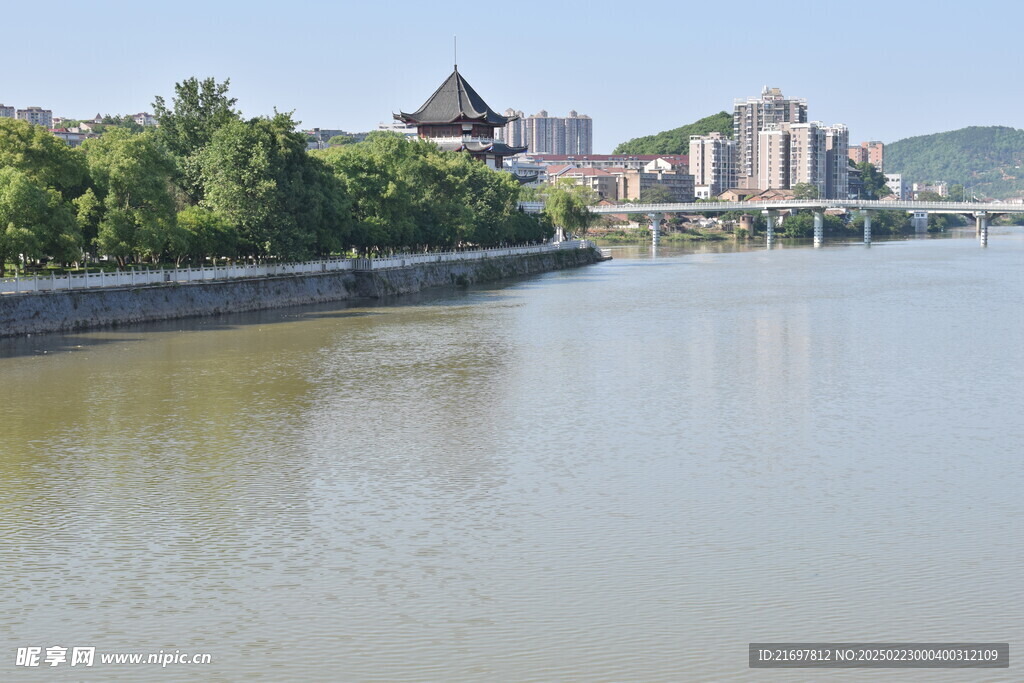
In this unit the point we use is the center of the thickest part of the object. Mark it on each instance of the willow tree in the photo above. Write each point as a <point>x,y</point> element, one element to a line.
<point>568,204</point>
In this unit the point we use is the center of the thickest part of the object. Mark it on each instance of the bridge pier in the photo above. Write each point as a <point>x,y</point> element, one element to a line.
<point>819,227</point>
<point>655,227</point>
<point>867,226</point>
<point>771,220</point>
<point>981,227</point>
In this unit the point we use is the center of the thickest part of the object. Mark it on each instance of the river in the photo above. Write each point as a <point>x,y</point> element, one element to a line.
<point>622,472</point>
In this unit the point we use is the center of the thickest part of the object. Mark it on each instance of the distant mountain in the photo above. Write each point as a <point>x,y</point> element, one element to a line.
<point>677,140</point>
<point>987,159</point>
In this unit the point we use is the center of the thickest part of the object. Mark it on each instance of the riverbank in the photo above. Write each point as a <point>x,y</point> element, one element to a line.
<point>644,236</point>
<point>70,311</point>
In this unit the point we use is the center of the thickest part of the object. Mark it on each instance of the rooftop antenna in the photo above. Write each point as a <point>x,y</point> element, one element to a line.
<point>455,52</point>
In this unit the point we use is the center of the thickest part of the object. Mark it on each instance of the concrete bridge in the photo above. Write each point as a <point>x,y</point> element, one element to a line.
<point>983,212</point>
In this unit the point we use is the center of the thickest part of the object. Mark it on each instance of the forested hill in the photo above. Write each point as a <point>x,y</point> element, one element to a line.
<point>677,140</point>
<point>989,159</point>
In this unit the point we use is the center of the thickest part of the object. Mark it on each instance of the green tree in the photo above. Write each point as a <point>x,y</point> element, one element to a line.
<point>873,180</point>
<point>805,191</point>
<point>132,176</point>
<point>408,194</point>
<point>382,177</point>
<point>677,140</point>
<point>339,140</point>
<point>199,109</point>
<point>88,213</point>
<point>126,122</point>
<point>43,157</point>
<point>883,223</point>
<point>567,205</point>
<point>657,194</point>
<point>989,158</point>
<point>801,224</point>
<point>35,221</point>
<point>284,202</point>
<point>207,234</point>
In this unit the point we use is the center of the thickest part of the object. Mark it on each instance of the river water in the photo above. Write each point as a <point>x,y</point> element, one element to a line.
<point>623,472</point>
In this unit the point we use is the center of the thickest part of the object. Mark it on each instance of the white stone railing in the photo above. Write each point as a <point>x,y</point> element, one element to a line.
<point>139,278</point>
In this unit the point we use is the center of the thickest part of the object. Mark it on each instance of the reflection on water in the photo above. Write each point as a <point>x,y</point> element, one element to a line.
<point>624,472</point>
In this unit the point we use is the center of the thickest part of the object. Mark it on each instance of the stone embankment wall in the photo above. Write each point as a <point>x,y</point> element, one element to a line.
<point>85,309</point>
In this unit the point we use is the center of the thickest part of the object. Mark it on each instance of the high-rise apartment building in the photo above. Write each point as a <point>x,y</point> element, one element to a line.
<point>872,152</point>
<point>753,115</point>
<point>37,115</point>
<point>791,154</point>
<point>837,170</point>
<point>6,112</point>
<point>772,154</point>
<point>712,163</point>
<point>806,155</point>
<point>544,134</point>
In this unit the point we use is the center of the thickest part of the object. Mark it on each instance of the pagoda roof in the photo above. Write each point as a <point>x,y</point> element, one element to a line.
<point>497,147</point>
<point>455,100</point>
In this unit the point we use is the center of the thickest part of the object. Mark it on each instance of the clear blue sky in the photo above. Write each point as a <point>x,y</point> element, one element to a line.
<point>886,69</point>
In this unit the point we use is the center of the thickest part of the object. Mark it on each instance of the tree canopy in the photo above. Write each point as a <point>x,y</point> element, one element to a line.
<point>988,159</point>
<point>873,180</point>
<point>209,184</point>
<point>566,204</point>
<point>677,140</point>
<point>132,181</point>
<point>199,109</point>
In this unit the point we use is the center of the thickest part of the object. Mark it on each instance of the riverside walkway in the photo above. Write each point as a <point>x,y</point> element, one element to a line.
<point>167,276</point>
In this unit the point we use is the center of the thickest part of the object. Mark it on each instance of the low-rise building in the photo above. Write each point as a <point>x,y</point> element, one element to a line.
<point>632,184</point>
<point>738,194</point>
<point>599,180</point>
<point>901,189</point>
<point>526,172</point>
<point>144,119</point>
<point>407,129</point>
<point>73,139</point>
<point>941,189</point>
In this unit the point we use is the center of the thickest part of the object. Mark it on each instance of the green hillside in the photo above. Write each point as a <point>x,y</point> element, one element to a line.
<point>987,159</point>
<point>677,140</point>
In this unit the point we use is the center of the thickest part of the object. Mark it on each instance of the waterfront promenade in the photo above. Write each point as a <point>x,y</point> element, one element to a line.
<point>161,276</point>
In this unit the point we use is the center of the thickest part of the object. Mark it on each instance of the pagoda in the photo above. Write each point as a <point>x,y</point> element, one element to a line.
<point>456,118</point>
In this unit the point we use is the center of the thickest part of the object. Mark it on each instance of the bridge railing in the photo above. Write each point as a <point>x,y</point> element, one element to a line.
<point>854,204</point>
<point>156,276</point>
